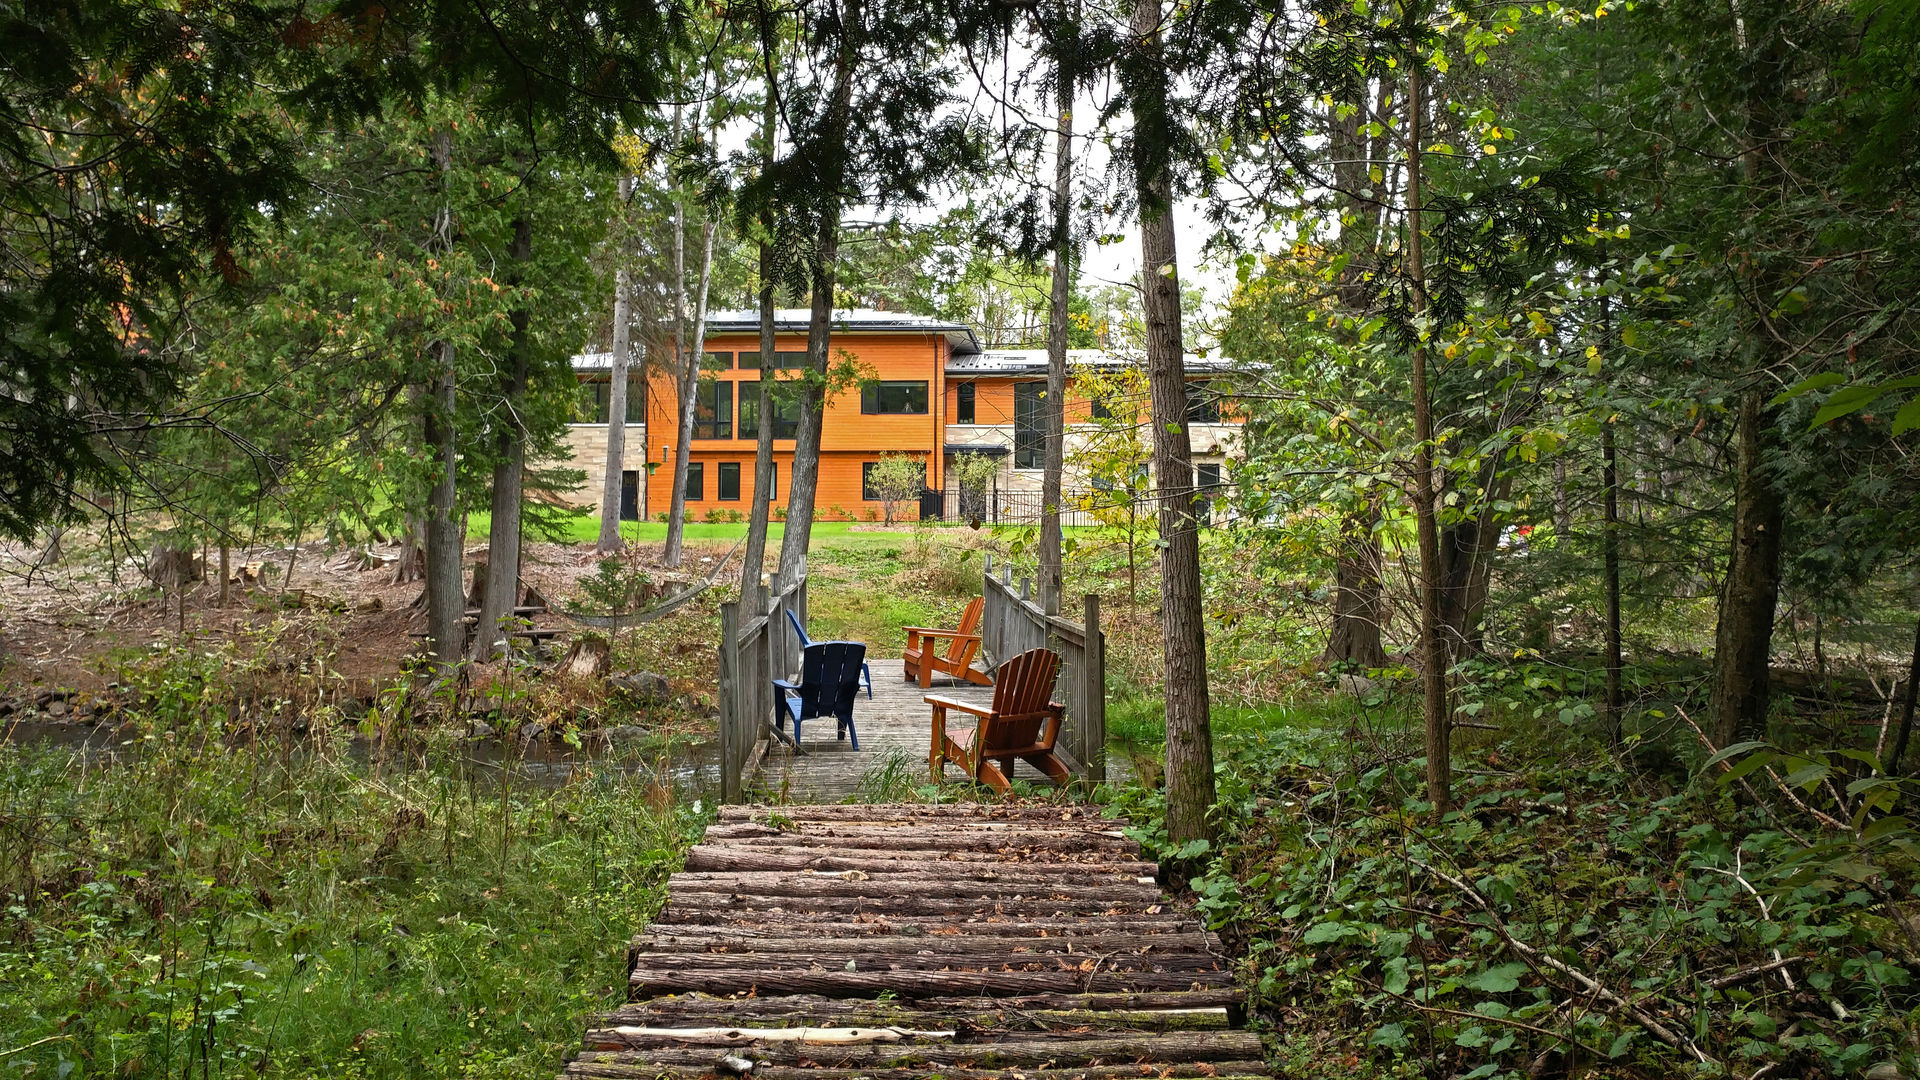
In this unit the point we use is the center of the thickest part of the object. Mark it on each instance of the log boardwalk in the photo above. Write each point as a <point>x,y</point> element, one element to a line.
<point>905,941</point>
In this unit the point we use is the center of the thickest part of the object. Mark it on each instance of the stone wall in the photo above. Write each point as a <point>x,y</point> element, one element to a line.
<point>589,445</point>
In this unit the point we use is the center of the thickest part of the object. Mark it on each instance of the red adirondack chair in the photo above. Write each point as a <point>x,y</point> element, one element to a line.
<point>1022,723</point>
<point>921,659</point>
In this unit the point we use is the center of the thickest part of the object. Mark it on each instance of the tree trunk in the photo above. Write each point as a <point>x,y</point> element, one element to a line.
<point>1062,289</point>
<point>755,561</point>
<point>1359,609</point>
<point>1190,791</point>
<point>1438,724</point>
<point>1610,561</point>
<point>1743,642</point>
<point>509,474</point>
<point>614,482</point>
<point>806,446</point>
<point>410,564</point>
<point>445,607</point>
<point>1465,573</point>
<point>1906,709</point>
<point>687,369</point>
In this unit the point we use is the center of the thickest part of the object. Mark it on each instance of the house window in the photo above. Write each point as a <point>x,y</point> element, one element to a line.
<point>696,481</point>
<point>790,359</point>
<point>1029,425</point>
<point>1207,475</point>
<point>786,413</point>
<point>713,409</point>
<point>894,399</point>
<point>729,481</point>
<point>871,493</point>
<point>750,361</point>
<point>963,413</point>
<point>718,361</point>
<point>773,481</point>
<point>1202,406</point>
<point>596,397</point>
<point>1098,409</point>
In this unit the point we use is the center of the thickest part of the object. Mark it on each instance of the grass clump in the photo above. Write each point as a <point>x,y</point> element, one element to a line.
<point>211,905</point>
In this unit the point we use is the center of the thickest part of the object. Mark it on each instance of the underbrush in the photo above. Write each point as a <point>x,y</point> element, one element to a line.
<point>1574,917</point>
<point>211,905</point>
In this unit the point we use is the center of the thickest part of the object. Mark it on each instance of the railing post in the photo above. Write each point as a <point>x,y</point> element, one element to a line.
<point>732,756</point>
<point>1093,693</point>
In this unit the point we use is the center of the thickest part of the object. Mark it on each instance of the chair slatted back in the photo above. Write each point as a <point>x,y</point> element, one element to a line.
<point>1022,692</point>
<point>830,677</point>
<point>959,649</point>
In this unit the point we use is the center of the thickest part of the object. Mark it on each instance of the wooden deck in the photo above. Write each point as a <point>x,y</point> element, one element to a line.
<point>898,942</point>
<point>894,729</point>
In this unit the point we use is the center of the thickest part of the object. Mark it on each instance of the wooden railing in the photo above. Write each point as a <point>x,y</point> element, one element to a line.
<point>1012,623</point>
<point>757,645</point>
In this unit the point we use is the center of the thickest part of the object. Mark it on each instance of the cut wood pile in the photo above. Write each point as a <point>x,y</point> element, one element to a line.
<point>816,942</point>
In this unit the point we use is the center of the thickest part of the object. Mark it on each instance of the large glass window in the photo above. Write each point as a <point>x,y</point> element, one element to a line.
<point>894,398</point>
<point>596,395</point>
<point>696,481</point>
<point>963,412</point>
<point>786,413</point>
<point>750,361</point>
<point>729,481</point>
<point>713,409</point>
<point>1029,425</point>
<point>1202,406</point>
<point>717,361</point>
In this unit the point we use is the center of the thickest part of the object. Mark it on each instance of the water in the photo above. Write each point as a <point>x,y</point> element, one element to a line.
<point>540,765</point>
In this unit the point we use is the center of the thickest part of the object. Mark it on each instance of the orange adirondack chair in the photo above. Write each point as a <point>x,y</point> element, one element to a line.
<point>921,660</point>
<point>1022,723</point>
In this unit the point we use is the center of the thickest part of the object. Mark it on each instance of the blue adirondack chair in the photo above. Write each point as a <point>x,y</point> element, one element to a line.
<point>866,677</point>
<point>829,683</point>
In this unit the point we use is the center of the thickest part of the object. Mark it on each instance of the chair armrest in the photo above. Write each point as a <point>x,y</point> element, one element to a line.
<point>956,703</point>
<point>923,632</point>
<point>786,685</point>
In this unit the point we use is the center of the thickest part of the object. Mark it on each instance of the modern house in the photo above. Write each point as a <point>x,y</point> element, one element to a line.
<point>927,389</point>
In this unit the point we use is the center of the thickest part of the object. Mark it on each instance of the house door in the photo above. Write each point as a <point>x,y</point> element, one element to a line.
<point>630,495</point>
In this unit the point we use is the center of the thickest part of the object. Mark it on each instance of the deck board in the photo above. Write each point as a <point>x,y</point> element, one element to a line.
<point>894,727</point>
<point>967,941</point>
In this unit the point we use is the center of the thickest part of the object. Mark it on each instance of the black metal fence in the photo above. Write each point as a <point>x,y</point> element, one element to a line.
<point>995,505</point>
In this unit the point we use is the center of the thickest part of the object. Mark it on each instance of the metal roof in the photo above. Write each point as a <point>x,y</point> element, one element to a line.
<point>848,321</point>
<point>1034,362</point>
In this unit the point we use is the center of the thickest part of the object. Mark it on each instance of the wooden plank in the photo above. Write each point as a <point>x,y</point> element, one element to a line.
<point>832,924</point>
<point>600,1069</point>
<point>704,939</point>
<point>981,958</point>
<point>1171,1048</point>
<point>919,983</point>
<point>710,858</point>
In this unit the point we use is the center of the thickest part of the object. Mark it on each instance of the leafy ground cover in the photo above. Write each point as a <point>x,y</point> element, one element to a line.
<point>1588,911</point>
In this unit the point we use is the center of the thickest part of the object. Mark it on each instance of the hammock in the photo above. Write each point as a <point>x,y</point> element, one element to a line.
<point>667,606</point>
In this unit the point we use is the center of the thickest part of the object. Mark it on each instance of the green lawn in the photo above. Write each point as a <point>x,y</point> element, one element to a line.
<point>826,534</point>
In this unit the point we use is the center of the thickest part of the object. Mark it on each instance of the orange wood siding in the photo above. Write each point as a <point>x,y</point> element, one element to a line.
<point>848,438</point>
<point>993,398</point>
